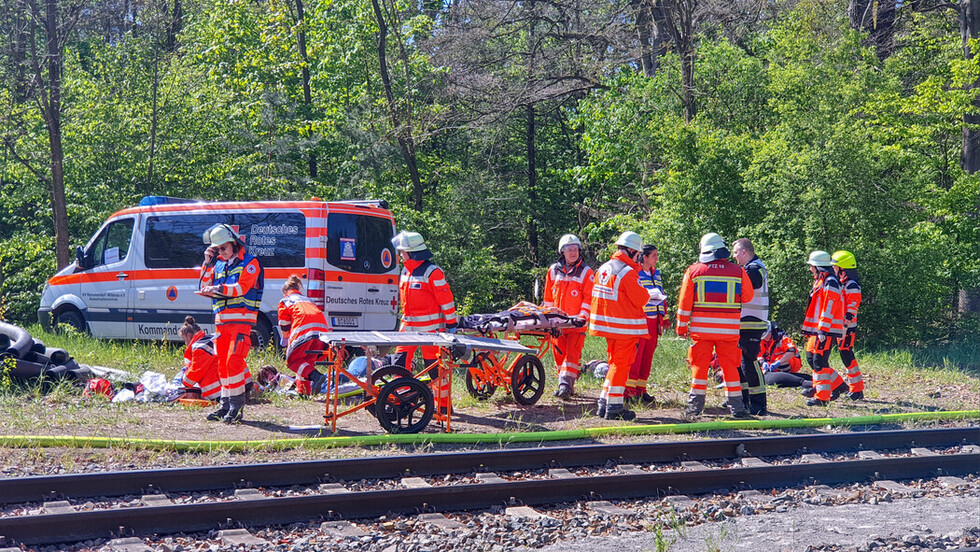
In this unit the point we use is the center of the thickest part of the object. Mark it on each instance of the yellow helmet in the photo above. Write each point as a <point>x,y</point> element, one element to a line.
<point>844,259</point>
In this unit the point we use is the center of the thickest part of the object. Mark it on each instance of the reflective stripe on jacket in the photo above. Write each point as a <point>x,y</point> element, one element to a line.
<point>852,300</point>
<point>201,366</point>
<point>652,281</point>
<point>711,299</point>
<point>426,300</point>
<point>300,320</point>
<point>618,299</point>
<point>570,289</point>
<point>241,282</point>
<point>755,313</point>
<point>825,313</point>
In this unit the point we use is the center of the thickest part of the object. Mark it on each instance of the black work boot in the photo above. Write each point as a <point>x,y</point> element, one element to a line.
<point>695,406</point>
<point>236,405</point>
<point>600,410</point>
<point>221,411</point>
<point>758,404</point>
<point>564,391</point>
<point>619,412</point>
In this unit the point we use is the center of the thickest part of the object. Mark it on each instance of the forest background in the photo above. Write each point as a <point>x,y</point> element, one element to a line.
<point>493,127</point>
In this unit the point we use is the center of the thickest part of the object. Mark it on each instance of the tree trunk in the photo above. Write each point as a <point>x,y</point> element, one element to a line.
<point>877,18</point>
<point>404,135</point>
<point>307,94</point>
<point>970,29</point>
<point>647,55</point>
<point>52,117</point>
<point>532,192</point>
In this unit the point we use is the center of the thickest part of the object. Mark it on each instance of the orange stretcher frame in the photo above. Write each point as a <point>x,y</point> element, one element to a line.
<point>497,370</point>
<point>452,349</point>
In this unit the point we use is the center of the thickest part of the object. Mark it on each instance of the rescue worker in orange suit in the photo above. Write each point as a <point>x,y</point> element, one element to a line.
<point>617,315</point>
<point>234,283</point>
<point>709,309</point>
<point>845,266</point>
<point>427,305</point>
<point>568,286</point>
<point>300,323</point>
<point>823,325</point>
<point>657,322</point>
<point>200,372</point>
<point>755,317</point>
<point>780,359</point>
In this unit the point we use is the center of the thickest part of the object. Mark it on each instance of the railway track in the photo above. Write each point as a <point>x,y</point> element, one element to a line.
<point>77,507</point>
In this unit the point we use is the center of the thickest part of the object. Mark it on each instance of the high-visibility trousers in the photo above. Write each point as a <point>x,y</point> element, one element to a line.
<point>825,378</point>
<point>845,346</point>
<point>301,360</point>
<point>749,341</point>
<point>729,356</point>
<point>567,349</point>
<point>441,387</point>
<point>636,383</point>
<point>231,347</point>
<point>620,352</point>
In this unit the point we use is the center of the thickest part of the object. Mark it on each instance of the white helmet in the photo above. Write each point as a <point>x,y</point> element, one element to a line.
<point>568,239</point>
<point>220,234</point>
<point>820,258</point>
<point>630,240</point>
<point>408,241</point>
<point>710,243</point>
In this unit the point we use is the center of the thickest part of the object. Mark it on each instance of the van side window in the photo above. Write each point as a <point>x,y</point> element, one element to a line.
<point>360,243</point>
<point>278,239</point>
<point>112,244</point>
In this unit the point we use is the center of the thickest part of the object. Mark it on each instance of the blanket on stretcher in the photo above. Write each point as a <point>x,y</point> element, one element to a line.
<point>522,317</point>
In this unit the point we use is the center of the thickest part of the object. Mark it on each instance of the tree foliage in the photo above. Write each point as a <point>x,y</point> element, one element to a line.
<point>494,127</point>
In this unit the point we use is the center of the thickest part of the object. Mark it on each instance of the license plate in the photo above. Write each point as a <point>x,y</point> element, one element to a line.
<point>344,321</point>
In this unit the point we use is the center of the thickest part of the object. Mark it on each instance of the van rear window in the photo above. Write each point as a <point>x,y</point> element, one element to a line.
<point>360,243</point>
<point>276,239</point>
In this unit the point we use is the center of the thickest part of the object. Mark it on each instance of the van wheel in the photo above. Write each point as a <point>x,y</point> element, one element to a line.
<point>262,333</point>
<point>70,317</point>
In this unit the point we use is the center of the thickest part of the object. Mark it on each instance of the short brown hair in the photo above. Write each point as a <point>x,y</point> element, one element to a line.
<point>745,244</point>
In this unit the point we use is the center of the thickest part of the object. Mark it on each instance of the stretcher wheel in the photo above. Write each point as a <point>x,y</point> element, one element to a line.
<point>527,380</point>
<point>386,374</point>
<point>405,405</point>
<point>477,385</point>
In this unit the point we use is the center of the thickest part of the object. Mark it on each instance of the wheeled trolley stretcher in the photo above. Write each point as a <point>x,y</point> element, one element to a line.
<point>393,394</point>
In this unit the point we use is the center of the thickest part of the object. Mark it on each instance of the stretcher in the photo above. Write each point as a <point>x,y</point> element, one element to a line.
<point>521,374</point>
<point>393,394</point>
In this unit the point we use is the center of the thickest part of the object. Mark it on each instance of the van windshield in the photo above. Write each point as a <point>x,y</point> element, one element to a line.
<point>276,239</point>
<point>360,243</point>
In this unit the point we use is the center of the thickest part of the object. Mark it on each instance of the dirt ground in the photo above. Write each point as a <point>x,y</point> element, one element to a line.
<point>285,418</point>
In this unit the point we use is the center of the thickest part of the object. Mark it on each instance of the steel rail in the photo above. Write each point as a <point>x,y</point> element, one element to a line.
<point>72,527</point>
<point>108,484</point>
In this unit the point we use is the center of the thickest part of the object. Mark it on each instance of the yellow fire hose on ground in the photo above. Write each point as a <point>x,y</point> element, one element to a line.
<point>77,441</point>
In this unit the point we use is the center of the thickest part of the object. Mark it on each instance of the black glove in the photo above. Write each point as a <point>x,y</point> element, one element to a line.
<point>849,316</point>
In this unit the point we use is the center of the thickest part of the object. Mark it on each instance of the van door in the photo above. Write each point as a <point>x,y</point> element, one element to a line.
<point>107,279</point>
<point>363,293</point>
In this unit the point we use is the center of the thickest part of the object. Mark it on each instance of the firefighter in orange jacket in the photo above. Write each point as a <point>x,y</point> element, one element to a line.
<point>845,266</point>
<point>617,314</point>
<point>709,310</point>
<point>234,283</point>
<point>427,305</point>
<point>300,323</point>
<point>823,325</point>
<point>200,363</point>
<point>568,287</point>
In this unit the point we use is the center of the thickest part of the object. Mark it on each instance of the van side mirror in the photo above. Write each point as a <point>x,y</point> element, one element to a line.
<point>80,257</point>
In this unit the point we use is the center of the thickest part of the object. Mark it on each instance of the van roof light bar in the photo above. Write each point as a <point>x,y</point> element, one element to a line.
<point>164,200</point>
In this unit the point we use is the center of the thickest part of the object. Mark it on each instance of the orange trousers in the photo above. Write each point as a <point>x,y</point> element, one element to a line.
<point>825,378</point>
<point>567,349</point>
<point>729,357</point>
<point>231,347</point>
<point>441,388</point>
<point>620,352</point>
<point>845,346</point>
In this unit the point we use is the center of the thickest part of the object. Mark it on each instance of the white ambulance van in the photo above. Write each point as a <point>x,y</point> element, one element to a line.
<point>136,277</point>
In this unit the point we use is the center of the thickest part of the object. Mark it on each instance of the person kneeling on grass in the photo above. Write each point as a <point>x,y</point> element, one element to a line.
<point>300,322</point>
